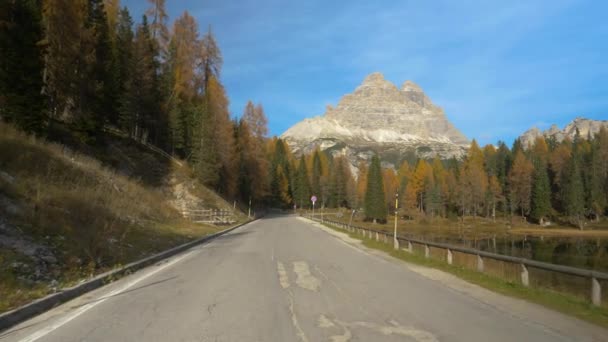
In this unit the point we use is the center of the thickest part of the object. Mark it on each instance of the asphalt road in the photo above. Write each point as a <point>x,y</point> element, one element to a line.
<point>286,279</point>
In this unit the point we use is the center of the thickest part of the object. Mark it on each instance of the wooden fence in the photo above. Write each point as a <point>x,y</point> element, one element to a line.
<point>211,216</point>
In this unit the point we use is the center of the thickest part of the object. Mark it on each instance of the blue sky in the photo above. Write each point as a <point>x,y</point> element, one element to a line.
<point>496,67</point>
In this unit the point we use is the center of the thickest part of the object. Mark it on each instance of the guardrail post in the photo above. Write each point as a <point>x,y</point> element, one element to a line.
<point>427,251</point>
<point>385,238</point>
<point>410,248</point>
<point>479,263</point>
<point>525,277</point>
<point>449,256</point>
<point>395,244</point>
<point>596,292</point>
<point>377,236</point>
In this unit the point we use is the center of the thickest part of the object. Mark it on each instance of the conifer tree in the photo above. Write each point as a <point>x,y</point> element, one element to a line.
<point>598,197</point>
<point>301,191</point>
<point>573,193</point>
<point>317,172</point>
<point>375,205</point>
<point>541,194</point>
<point>21,66</point>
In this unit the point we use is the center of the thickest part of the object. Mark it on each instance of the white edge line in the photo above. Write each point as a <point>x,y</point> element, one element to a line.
<point>43,332</point>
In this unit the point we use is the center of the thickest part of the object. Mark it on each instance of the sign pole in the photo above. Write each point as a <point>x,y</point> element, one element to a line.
<point>395,242</point>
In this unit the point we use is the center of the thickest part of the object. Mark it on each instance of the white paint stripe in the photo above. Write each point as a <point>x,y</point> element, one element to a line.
<point>43,332</point>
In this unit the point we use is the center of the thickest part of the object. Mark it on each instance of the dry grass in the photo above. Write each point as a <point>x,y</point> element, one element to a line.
<point>90,216</point>
<point>473,228</point>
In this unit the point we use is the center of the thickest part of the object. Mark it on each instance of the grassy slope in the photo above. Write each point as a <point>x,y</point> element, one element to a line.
<point>87,216</point>
<point>557,301</point>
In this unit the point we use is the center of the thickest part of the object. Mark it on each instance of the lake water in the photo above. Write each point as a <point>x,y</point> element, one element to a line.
<point>577,252</point>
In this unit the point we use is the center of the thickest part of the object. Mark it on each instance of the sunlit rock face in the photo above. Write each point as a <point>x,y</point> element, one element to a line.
<point>380,118</point>
<point>585,127</point>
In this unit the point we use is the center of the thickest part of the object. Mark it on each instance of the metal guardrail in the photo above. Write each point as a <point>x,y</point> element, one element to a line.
<point>594,276</point>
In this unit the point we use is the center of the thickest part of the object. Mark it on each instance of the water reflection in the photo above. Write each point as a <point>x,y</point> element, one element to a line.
<point>577,252</point>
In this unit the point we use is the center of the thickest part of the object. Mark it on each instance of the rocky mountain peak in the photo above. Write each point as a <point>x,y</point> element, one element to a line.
<point>409,86</point>
<point>378,117</point>
<point>376,81</point>
<point>585,127</point>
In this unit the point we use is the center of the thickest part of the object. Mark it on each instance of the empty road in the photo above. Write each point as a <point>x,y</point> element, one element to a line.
<point>287,279</point>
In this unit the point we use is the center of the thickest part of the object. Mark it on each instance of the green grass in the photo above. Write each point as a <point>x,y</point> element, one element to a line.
<point>561,302</point>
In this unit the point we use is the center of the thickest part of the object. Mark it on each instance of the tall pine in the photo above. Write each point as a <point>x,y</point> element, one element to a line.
<point>375,205</point>
<point>21,65</point>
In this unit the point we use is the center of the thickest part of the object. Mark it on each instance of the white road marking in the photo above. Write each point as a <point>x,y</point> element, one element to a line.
<point>294,318</point>
<point>283,278</point>
<point>325,322</point>
<point>396,329</point>
<point>304,278</point>
<point>47,330</point>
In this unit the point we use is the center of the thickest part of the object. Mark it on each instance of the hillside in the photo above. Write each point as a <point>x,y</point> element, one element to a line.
<point>66,215</point>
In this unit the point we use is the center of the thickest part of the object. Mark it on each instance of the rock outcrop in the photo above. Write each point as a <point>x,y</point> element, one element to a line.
<point>380,118</point>
<point>585,127</point>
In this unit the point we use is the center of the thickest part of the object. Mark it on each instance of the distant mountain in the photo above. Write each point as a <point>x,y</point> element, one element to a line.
<point>380,118</point>
<point>585,127</point>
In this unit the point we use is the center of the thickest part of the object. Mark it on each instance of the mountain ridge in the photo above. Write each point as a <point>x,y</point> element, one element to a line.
<point>584,126</point>
<point>379,117</point>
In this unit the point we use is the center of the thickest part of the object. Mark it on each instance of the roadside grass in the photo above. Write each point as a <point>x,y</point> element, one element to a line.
<point>473,228</point>
<point>561,302</point>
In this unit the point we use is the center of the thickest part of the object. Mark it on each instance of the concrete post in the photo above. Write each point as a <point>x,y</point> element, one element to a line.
<point>479,264</point>
<point>427,251</point>
<point>449,257</point>
<point>395,244</point>
<point>525,278</point>
<point>596,292</point>
<point>377,236</point>
<point>410,248</point>
<point>385,238</point>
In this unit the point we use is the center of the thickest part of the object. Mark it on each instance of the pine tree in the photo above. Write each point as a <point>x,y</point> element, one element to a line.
<point>64,37</point>
<point>124,55</point>
<point>100,103</point>
<point>301,191</point>
<point>574,193</point>
<point>139,100</point>
<point>375,205</point>
<point>21,65</point>
<point>598,197</point>
<point>541,194</point>
<point>317,172</point>
<point>280,189</point>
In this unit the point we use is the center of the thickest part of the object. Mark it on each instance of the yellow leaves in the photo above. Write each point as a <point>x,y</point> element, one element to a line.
<point>391,185</point>
<point>283,184</point>
<point>520,179</point>
<point>362,181</point>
